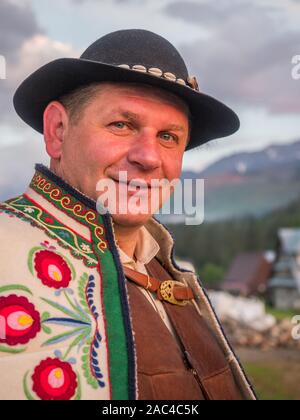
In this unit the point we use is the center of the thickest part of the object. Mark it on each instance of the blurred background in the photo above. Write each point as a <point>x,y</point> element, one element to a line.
<point>247,251</point>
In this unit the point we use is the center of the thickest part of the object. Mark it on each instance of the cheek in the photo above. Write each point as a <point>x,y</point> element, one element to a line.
<point>103,154</point>
<point>90,152</point>
<point>173,166</point>
<point>71,154</point>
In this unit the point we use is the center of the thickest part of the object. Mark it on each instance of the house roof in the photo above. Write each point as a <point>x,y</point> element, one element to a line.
<point>248,272</point>
<point>290,241</point>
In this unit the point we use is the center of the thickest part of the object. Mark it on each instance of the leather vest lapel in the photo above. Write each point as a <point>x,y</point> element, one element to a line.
<point>200,347</point>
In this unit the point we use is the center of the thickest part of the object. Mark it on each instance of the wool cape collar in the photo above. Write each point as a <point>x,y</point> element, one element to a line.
<point>65,272</point>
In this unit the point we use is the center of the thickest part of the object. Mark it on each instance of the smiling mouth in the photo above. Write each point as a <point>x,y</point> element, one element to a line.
<point>135,183</point>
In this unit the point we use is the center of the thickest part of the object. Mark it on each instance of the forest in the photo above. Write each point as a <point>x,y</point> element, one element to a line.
<point>211,247</point>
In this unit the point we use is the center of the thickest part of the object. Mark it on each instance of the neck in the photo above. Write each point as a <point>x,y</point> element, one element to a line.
<point>127,238</point>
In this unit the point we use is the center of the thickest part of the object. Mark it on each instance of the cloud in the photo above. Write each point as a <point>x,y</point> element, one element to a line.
<point>245,57</point>
<point>34,52</point>
<point>16,173</point>
<point>116,1</point>
<point>25,47</point>
<point>17,23</point>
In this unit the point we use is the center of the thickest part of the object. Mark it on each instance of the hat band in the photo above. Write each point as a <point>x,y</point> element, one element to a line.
<point>154,71</point>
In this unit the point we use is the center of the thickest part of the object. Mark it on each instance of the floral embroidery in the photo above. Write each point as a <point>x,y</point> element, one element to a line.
<point>86,248</point>
<point>54,379</point>
<point>21,322</point>
<point>28,210</point>
<point>78,317</point>
<point>71,321</point>
<point>97,338</point>
<point>52,269</point>
<point>49,220</point>
<point>55,271</point>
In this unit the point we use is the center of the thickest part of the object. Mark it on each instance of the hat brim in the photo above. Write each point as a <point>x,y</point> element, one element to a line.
<point>211,119</point>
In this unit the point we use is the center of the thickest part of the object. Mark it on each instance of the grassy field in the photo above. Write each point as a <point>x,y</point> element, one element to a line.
<point>280,315</point>
<point>275,375</point>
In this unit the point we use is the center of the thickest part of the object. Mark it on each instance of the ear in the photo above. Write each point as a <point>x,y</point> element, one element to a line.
<point>56,122</point>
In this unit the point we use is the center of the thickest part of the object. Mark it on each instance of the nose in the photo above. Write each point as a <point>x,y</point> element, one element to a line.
<point>145,153</point>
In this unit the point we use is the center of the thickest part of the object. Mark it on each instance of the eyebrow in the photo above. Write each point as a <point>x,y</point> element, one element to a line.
<point>132,116</point>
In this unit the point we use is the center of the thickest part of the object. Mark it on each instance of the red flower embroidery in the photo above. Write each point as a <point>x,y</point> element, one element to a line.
<point>19,321</point>
<point>54,380</point>
<point>49,220</point>
<point>52,269</point>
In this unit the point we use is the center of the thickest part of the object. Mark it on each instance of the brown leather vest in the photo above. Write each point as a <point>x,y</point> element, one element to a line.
<point>190,368</point>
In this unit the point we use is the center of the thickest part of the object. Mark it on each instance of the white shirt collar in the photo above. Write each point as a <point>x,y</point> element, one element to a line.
<point>146,249</point>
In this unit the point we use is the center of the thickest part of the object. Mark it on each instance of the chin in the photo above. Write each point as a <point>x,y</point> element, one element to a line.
<point>131,220</point>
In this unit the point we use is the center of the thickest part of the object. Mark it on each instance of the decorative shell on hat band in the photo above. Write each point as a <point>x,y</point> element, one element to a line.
<point>154,71</point>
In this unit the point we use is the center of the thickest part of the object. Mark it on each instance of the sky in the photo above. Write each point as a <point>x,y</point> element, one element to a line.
<point>240,50</point>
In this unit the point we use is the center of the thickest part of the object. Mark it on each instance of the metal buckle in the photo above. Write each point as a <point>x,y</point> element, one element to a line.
<point>167,292</point>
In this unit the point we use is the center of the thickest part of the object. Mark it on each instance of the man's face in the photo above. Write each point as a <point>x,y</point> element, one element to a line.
<point>140,131</point>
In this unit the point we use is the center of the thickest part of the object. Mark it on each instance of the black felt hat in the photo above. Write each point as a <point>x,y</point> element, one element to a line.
<point>132,55</point>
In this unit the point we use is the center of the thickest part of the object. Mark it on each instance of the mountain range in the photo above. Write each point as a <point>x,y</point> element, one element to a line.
<point>249,183</point>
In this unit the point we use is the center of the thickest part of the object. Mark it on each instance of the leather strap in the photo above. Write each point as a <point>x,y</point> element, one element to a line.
<point>179,292</point>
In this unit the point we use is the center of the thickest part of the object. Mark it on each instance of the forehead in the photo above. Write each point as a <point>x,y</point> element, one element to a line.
<point>112,92</point>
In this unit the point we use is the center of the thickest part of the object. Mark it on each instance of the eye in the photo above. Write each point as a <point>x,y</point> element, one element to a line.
<point>119,124</point>
<point>168,137</point>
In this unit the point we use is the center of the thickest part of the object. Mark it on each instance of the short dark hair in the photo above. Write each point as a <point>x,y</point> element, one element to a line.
<point>76,100</point>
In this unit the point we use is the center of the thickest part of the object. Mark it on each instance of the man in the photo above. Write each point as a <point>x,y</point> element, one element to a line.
<point>92,306</point>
